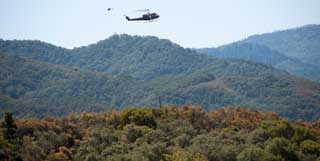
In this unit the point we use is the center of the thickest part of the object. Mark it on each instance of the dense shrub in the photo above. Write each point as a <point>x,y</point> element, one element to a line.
<point>167,134</point>
<point>143,117</point>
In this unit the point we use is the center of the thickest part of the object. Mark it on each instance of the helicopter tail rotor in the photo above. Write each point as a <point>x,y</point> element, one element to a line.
<point>128,18</point>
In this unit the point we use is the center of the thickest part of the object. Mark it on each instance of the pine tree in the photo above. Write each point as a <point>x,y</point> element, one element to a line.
<point>9,127</point>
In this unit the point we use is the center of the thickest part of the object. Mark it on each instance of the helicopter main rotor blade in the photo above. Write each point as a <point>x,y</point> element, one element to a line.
<point>145,10</point>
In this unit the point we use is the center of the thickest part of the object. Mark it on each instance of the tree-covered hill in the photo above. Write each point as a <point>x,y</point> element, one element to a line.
<point>301,43</point>
<point>263,54</point>
<point>36,50</point>
<point>139,57</point>
<point>186,133</point>
<point>38,79</point>
<point>247,51</point>
<point>34,88</point>
<point>296,50</point>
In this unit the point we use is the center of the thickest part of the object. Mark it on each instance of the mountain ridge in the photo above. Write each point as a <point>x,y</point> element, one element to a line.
<point>272,48</point>
<point>300,42</point>
<point>176,77</point>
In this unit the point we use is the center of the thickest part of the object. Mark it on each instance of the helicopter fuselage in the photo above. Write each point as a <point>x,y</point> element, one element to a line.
<point>145,17</point>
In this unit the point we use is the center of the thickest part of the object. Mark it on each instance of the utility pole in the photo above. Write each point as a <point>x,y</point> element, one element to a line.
<point>160,105</point>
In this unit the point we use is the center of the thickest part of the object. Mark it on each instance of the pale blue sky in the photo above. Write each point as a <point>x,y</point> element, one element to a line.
<point>190,23</point>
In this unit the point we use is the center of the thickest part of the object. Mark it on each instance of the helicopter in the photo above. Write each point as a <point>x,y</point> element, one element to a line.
<point>145,17</point>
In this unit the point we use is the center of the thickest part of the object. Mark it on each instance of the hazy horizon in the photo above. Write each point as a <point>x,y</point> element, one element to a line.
<point>194,24</point>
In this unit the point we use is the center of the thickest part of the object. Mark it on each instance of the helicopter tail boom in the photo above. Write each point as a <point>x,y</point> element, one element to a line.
<point>135,19</point>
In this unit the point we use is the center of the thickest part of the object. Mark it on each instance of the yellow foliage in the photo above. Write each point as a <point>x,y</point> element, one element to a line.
<point>182,155</point>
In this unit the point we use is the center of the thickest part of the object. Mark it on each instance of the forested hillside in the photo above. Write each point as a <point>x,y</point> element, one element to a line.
<point>139,57</point>
<point>253,52</point>
<point>172,133</point>
<point>84,79</point>
<point>301,43</point>
<point>291,50</point>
